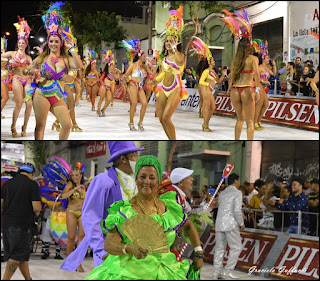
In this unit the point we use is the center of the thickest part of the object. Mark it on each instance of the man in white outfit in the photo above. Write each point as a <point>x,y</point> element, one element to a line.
<point>228,222</point>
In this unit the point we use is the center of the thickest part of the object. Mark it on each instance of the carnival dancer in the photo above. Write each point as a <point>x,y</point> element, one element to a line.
<point>315,85</point>
<point>229,221</point>
<point>69,87</point>
<point>152,63</point>
<point>78,85</point>
<point>128,260</point>
<point>20,63</point>
<point>92,78</point>
<point>244,68</point>
<point>171,89</point>
<point>208,79</point>
<point>261,106</point>
<point>106,188</point>
<point>138,72</point>
<point>4,77</point>
<point>54,64</point>
<point>107,80</point>
<point>75,191</point>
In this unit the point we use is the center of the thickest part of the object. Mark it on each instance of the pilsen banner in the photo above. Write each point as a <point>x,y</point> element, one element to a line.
<point>294,112</point>
<point>95,148</point>
<point>255,248</point>
<point>298,260</point>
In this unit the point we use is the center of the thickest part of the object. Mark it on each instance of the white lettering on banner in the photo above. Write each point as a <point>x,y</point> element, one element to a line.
<point>305,250</point>
<point>281,111</point>
<point>90,149</point>
<point>209,242</point>
<point>293,111</point>
<point>302,112</point>
<point>256,248</point>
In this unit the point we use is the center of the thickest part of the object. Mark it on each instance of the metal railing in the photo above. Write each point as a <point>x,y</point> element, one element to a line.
<point>283,212</point>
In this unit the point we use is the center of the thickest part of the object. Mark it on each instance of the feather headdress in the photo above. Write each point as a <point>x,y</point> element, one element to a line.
<point>238,23</point>
<point>108,56</point>
<point>53,21</point>
<point>132,46</point>
<point>175,23</point>
<point>93,56</point>
<point>67,35</point>
<point>23,29</point>
<point>261,47</point>
<point>200,48</point>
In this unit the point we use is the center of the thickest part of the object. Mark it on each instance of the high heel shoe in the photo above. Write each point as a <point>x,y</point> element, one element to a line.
<point>140,127</point>
<point>56,126</point>
<point>132,127</point>
<point>260,126</point>
<point>23,131</point>
<point>100,114</point>
<point>14,131</point>
<point>111,104</point>
<point>2,117</point>
<point>206,128</point>
<point>76,128</point>
<point>257,127</point>
<point>200,115</point>
<point>93,109</point>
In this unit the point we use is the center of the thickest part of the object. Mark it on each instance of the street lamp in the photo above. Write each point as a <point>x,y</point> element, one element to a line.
<point>41,39</point>
<point>7,33</point>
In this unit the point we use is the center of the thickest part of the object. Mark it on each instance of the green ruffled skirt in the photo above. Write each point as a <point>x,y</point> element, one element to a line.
<point>153,267</point>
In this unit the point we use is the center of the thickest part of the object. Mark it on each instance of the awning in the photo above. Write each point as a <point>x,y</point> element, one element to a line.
<point>206,154</point>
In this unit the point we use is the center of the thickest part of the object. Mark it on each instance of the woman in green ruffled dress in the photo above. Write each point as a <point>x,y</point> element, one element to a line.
<point>127,261</point>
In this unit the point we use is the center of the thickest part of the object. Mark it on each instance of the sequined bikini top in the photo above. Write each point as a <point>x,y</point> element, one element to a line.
<point>76,196</point>
<point>172,67</point>
<point>20,61</point>
<point>50,74</point>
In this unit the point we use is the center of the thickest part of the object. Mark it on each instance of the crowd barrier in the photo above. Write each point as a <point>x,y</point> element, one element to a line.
<point>283,110</point>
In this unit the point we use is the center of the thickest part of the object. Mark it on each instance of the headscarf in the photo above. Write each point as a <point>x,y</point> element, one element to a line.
<point>149,160</point>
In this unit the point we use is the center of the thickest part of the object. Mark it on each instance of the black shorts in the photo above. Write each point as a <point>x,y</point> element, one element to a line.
<point>16,243</point>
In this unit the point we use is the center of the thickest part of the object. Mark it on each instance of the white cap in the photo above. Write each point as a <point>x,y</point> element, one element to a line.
<point>179,174</point>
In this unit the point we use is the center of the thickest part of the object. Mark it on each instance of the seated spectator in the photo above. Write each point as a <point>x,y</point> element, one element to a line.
<point>298,201</point>
<point>256,202</point>
<point>314,206</point>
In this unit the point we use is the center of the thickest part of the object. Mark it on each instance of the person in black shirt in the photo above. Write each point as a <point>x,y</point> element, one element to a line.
<point>314,206</point>
<point>20,200</point>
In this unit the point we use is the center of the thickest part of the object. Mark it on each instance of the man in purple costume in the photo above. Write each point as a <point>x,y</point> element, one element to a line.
<point>106,188</point>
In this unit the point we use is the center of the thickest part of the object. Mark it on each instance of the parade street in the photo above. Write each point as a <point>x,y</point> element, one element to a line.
<point>115,126</point>
<point>49,269</point>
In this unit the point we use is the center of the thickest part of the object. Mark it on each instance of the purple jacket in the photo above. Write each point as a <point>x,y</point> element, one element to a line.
<point>102,192</point>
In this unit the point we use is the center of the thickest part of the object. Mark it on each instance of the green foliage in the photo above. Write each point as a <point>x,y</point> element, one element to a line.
<point>40,152</point>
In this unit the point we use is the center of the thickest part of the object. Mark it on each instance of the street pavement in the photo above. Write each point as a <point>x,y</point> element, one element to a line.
<point>115,125</point>
<point>49,269</point>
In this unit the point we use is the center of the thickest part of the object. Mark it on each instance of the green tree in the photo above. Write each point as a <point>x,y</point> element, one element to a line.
<point>93,28</point>
<point>194,11</point>
<point>40,151</point>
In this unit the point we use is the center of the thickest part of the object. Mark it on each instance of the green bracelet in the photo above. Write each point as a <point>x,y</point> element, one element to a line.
<point>200,256</point>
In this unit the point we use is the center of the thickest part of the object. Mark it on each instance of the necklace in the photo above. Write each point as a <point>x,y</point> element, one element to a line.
<point>54,59</point>
<point>143,208</point>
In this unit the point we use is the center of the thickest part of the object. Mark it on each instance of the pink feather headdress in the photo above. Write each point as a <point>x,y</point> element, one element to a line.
<point>108,56</point>
<point>261,47</point>
<point>175,23</point>
<point>201,48</point>
<point>238,23</point>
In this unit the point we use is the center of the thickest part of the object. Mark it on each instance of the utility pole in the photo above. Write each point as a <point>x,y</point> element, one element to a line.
<point>150,25</point>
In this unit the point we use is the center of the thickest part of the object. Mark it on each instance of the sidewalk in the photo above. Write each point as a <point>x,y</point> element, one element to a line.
<point>49,269</point>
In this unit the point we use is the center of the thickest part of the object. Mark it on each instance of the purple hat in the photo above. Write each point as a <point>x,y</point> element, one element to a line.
<point>118,148</point>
